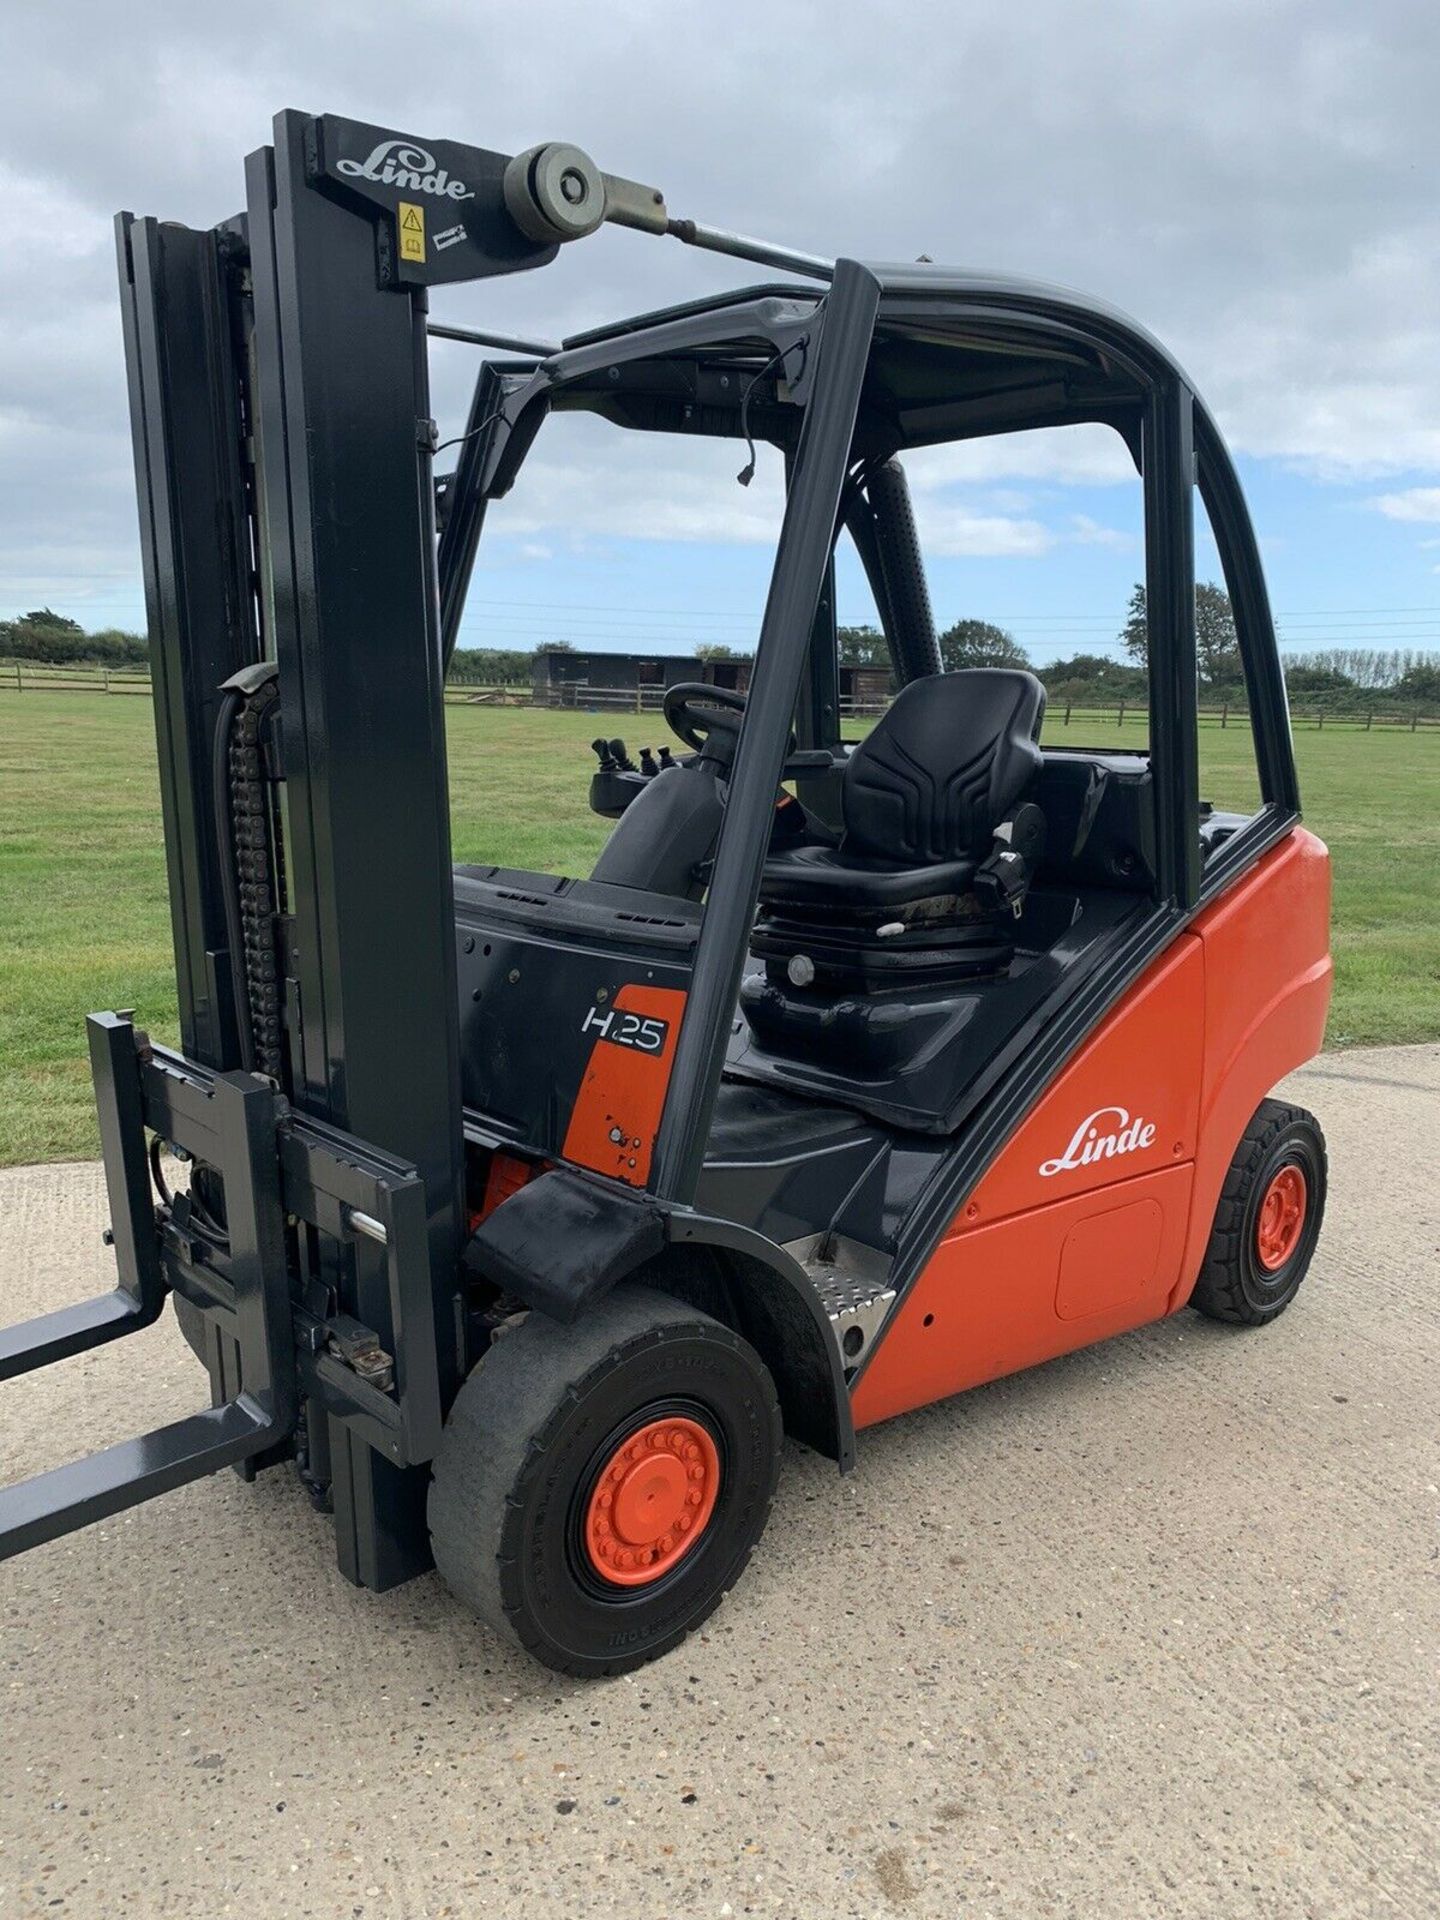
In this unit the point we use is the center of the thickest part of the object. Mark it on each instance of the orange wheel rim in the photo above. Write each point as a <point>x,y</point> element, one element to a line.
<point>653,1500</point>
<point>1281,1217</point>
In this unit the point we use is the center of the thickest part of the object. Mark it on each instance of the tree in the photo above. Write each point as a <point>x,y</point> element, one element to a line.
<point>1135,634</point>
<point>1217,649</point>
<point>55,622</point>
<point>1420,683</point>
<point>1089,677</point>
<point>976,643</point>
<point>47,637</point>
<point>490,666</point>
<point>717,652</point>
<point>862,647</point>
<point>1301,679</point>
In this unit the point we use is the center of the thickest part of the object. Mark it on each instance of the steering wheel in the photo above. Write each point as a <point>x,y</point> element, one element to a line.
<point>694,711</point>
<point>708,719</point>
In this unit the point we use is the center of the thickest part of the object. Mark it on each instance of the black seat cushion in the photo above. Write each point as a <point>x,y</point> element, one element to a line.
<point>923,795</point>
<point>816,878</point>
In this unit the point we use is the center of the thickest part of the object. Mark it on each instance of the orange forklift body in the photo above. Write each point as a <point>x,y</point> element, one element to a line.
<point>1095,1217</point>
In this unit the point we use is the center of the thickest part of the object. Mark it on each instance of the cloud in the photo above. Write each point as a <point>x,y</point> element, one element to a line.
<point>588,480</point>
<point>1415,503</point>
<point>1248,180</point>
<point>1083,455</point>
<point>1090,533</point>
<point>948,530</point>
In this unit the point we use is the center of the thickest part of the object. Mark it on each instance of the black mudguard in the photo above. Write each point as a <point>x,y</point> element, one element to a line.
<point>563,1242</point>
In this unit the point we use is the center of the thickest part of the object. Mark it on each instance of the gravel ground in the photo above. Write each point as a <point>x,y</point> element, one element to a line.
<point>1149,1631</point>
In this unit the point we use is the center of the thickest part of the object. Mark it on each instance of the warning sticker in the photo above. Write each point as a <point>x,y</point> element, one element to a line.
<point>412,231</point>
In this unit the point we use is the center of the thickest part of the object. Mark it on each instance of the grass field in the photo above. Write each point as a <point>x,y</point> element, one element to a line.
<point>84,919</point>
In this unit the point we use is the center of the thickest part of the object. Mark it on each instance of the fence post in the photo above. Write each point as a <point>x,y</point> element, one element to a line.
<point>1121,721</point>
<point>1369,719</point>
<point>1414,720</point>
<point>1320,721</point>
<point>1224,715</point>
<point>1067,713</point>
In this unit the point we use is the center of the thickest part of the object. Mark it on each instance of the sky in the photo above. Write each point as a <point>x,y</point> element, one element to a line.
<point>1256,183</point>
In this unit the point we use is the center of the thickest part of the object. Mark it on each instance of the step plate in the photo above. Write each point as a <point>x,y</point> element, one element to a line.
<point>852,1284</point>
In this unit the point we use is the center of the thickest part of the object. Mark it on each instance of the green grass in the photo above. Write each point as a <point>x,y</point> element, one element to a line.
<point>84,919</point>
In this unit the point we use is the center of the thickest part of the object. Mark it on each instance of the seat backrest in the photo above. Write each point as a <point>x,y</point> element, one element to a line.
<point>944,766</point>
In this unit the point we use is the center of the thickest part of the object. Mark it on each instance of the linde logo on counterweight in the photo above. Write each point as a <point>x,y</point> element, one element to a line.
<point>400,163</point>
<point>1101,1136</point>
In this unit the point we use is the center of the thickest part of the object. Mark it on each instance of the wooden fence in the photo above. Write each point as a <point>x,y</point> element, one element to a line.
<point>40,676</point>
<point>577,697</point>
<point>33,676</point>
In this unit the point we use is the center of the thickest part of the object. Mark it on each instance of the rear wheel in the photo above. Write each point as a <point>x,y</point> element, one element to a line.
<point>1268,1219</point>
<point>600,1487</point>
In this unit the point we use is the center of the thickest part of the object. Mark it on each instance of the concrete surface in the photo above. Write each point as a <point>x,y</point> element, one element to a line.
<point>1151,1631</point>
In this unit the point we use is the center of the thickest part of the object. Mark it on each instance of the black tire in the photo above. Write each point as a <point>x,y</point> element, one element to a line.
<point>523,1450</point>
<point>1235,1283</point>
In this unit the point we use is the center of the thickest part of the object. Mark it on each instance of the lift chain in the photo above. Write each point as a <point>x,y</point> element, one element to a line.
<point>259,866</point>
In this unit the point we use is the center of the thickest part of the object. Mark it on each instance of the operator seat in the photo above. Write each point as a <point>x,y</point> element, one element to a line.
<point>938,848</point>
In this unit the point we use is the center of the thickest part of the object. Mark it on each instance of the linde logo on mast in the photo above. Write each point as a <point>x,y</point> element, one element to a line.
<point>400,163</point>
<point>1102,1135</point>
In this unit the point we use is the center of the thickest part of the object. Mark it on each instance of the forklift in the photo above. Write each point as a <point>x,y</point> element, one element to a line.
<point>525,1214</point>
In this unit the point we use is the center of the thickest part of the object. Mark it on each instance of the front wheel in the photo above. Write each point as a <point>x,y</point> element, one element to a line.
<point>1268,1219</point>
<point>600,1487</point>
